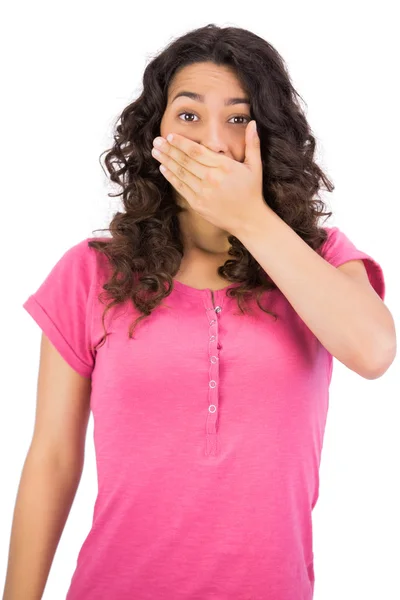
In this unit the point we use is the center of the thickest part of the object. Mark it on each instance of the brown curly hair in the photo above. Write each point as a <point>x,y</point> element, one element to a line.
<point>146,247</point>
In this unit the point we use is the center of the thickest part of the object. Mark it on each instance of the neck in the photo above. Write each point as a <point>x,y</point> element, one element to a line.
<point>200,237</point>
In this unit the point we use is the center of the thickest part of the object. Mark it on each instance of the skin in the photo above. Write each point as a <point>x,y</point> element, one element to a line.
<point>219,128</point>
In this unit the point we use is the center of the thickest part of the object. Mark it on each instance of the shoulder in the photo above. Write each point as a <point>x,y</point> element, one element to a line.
<point>84,259</point>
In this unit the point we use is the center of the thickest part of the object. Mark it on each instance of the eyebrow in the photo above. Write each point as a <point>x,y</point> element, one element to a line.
<point>200,98</point>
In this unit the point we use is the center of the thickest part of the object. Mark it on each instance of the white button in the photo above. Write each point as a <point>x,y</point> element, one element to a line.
<point>213,359</point>
<point>212,338</point>
<point>212,383</point>
<point>212,322</point>
<point>212,408</point>
<point>218,309</point>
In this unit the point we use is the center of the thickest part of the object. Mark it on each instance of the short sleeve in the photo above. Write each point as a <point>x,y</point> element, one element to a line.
<point>338,249</point>
<point>62,306</point>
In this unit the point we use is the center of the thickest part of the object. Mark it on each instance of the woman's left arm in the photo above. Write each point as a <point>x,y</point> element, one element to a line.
<point>339,305</point>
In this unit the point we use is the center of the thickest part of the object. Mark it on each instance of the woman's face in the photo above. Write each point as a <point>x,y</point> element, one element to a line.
<point>209,122</point>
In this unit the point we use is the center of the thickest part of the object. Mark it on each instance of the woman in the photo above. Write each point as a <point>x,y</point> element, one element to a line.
<point>209,420</point>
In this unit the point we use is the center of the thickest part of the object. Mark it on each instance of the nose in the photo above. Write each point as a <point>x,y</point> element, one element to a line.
<point>214,138</point>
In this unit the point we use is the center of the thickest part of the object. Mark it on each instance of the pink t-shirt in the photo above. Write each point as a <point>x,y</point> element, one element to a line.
<point>208,431</point>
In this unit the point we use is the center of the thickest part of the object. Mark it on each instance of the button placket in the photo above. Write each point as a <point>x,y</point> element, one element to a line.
<point>213,382</point>
<point>213,375</point>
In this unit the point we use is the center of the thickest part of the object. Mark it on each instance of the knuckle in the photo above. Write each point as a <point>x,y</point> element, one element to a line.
<point>185,160</point>
<point>181,172</point>
<point>194,152</point>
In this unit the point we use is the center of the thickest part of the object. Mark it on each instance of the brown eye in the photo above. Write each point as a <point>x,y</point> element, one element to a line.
<point>242,117</point>
<point>186,113</point>
<point>247,119</point>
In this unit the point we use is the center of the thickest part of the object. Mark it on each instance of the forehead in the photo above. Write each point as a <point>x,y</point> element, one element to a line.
<point>206,75</point>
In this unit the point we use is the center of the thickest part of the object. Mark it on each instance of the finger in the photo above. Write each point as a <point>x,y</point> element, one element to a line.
<point>179,185</point>
<point>191,165</point>
<point>179,172</point>
<point>196,152</point>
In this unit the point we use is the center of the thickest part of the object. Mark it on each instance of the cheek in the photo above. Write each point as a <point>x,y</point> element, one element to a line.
<point>166,125</point>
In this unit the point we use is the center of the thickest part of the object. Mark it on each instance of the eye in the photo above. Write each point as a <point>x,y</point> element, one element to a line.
<point>248,119</point>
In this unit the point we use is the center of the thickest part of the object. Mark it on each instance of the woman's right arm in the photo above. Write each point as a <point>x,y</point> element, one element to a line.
<point>50,475</point>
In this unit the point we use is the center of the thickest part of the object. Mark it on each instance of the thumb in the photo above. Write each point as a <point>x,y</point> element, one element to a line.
<point>252,147</point>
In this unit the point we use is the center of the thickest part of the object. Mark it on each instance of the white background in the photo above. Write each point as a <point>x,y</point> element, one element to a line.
<point>69,69</point>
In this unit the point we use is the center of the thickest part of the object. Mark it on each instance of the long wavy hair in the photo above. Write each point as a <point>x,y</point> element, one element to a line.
<point>146,248</point>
